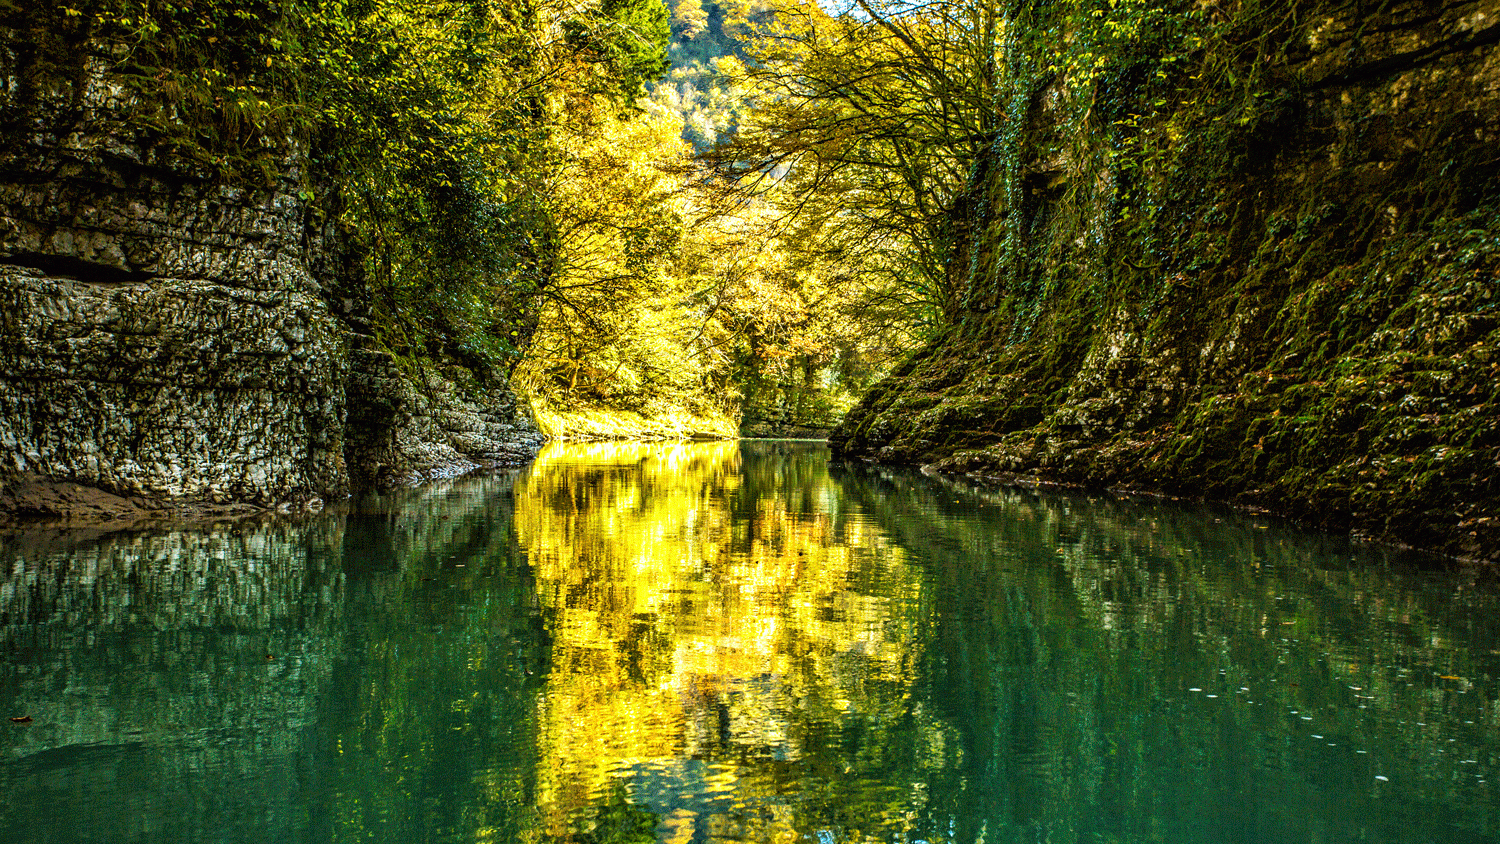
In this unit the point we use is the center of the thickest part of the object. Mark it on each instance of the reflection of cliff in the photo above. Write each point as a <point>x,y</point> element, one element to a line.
<point>428,729</point>
<point>716,620</point>
<point>163,657</point>
<point>1107,652</point>
<point>361,673</point>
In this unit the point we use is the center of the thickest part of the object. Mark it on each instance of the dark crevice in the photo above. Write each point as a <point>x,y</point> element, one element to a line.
<point>1428,14</point>
<point>1413,59</point>
<point>67,266</point>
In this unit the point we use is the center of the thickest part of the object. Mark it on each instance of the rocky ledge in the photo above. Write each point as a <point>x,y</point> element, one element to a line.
<point>175,338</point>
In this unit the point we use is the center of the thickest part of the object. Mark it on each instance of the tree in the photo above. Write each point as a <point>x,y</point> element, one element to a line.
<point>689,18</point>
<point>614,324</point>
<point>628,38</point>
<point>871,123</point>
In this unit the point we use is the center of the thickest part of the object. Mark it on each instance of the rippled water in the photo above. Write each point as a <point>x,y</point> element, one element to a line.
<point>740,642</point>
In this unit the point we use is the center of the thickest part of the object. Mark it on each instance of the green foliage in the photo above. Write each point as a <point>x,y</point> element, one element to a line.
<point>1178,94</point>
<point>441,149</point>
<point>628,37</point>
<point>425,130</point>
<point>217,85</point>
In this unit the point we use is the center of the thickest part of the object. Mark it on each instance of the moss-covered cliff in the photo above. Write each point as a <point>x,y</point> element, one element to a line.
<point>1240,250</point>
<point>184,315</point>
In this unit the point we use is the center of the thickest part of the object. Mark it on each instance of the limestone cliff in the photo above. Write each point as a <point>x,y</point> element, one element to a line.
<point>1245,251</point>
<point>177,332</point>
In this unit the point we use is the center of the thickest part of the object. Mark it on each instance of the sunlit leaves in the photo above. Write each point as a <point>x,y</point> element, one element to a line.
<point>689,18</point>
<point>612,326</point>
<point>668,302</point>
<point>425,129</point>
<point>874,118</point>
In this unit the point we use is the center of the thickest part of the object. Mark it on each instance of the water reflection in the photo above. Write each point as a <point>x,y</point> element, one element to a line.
<point>1138,670</point>
<point>737,642</point>
<point>723,627</point>
<point>343,677</point>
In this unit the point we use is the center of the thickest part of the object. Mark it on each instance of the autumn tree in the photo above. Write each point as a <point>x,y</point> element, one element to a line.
<point>870,122</point>
<point>428,131</point>
<point>671,314</point>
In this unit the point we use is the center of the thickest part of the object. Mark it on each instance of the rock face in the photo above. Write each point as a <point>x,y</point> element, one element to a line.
<point>174,333</point>
<point>182,389</point>
<point>413,427</point>
<point>1274,284</point>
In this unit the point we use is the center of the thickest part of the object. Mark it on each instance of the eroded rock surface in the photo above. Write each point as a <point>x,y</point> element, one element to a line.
<point>1282,291</point>
<point>176,333</point>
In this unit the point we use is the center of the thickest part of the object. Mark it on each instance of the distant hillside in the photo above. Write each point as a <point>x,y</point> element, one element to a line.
<point>708,41</point>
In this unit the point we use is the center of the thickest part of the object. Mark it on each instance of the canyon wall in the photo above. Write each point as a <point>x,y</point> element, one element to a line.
<point>1242,251</point>
<point>181,324</point>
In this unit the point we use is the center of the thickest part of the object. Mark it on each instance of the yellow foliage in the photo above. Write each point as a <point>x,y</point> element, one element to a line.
<point>660,626</point>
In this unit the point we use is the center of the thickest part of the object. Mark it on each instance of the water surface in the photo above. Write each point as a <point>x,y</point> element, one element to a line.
<point>739,642</point>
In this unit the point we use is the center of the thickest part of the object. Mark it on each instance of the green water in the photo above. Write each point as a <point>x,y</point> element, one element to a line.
<point>740,642</point>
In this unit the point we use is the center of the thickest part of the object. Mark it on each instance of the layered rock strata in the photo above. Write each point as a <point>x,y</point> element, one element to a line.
<point>174,333</point>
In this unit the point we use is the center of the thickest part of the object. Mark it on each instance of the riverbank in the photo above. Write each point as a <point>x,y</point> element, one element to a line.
<point>1282,294</point>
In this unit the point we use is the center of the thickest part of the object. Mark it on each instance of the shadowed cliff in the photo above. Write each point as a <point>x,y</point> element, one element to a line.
<point>1244,252</point>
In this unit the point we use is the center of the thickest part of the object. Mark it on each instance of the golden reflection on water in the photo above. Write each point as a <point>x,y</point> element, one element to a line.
<point>727,642</point>
<point>704,614</point>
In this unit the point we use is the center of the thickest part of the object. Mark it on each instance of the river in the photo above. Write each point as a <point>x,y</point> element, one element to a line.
<point>743,642</point>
